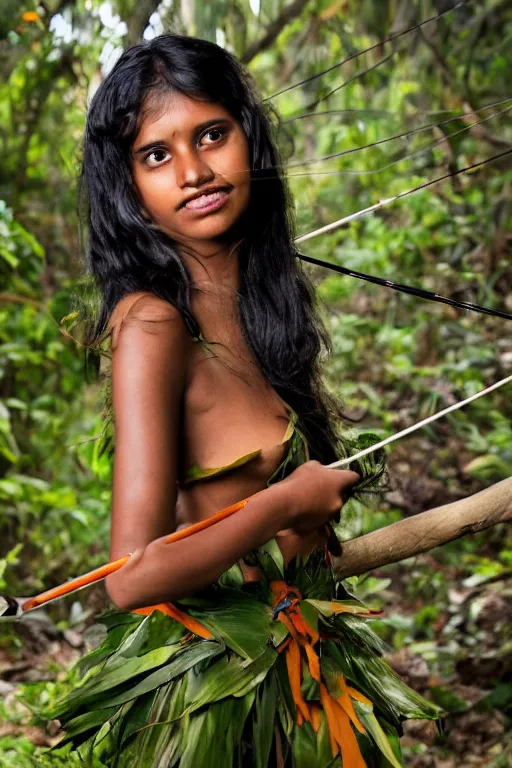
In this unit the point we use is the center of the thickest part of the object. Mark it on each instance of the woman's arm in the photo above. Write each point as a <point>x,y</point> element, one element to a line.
<point>163,572</point>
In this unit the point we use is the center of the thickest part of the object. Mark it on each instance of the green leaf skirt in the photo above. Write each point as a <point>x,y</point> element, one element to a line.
<point>282,672</point>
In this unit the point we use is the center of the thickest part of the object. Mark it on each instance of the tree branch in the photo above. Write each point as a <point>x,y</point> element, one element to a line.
<point>426,531</point>
<point>274,28</point>
<point>138,20</point>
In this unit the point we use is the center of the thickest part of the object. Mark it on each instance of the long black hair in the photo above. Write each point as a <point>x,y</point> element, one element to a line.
<point>126,253</point>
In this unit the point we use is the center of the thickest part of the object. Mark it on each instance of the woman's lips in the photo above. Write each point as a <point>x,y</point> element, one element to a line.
<point>208,202</point>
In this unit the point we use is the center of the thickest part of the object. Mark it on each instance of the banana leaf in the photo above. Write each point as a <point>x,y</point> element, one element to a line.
<point>106,680</point>
<point>369,720</point>
<point>285,704</point>
<point>227,677</point>
<point>241,622</point>
<point>270,558</point>
<point>263,729</point>
<point>310,749</point>
<point>188,658</point>
<point>85,722</point>
<point>107,657</point>
<point>210,738</point>
<point>155,740</point>
<point>104,741</point>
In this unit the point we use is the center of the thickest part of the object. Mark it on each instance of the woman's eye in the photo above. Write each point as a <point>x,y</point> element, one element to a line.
<point>215,133</point>
<point>155,152</point>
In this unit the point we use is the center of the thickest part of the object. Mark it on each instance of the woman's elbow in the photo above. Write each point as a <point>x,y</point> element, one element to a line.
<point>121,585</point>
<point>119,594</point>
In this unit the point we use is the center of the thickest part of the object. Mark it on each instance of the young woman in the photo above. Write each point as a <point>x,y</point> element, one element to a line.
<point>237,645</point>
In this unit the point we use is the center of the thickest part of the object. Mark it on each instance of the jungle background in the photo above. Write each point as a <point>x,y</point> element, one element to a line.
<point>444,88</point>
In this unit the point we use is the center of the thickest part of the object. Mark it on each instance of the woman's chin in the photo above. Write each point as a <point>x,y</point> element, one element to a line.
<point>210,230</point>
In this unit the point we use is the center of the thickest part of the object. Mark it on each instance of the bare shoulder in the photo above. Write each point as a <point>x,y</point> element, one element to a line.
<point>150,314</point>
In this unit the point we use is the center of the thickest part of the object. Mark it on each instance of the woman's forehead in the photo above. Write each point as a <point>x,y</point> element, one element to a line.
<point>176,113</point>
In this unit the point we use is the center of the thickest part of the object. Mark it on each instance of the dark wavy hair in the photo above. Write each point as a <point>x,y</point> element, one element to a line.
<point>126,253</point>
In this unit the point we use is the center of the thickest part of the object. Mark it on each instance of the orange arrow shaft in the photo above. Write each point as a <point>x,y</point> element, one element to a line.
<point>105,570</point>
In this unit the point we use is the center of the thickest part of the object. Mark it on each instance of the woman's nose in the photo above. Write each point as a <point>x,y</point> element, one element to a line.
<point>191,170</point>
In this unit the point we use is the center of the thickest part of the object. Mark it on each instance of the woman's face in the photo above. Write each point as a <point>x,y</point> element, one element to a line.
<point>190,149</point>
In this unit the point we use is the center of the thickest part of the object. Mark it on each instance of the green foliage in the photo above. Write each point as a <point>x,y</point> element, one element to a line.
<point>50,495</point>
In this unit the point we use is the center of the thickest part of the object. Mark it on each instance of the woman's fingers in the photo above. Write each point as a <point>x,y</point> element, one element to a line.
<point>349,477</point>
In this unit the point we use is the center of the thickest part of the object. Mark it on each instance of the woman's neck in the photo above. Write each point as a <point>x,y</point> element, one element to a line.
<point>212,266</point>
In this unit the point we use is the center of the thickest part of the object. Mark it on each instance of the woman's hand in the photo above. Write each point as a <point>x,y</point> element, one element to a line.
<point>317,495</point>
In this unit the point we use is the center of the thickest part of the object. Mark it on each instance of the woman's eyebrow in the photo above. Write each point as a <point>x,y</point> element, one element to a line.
<point>197,130</point>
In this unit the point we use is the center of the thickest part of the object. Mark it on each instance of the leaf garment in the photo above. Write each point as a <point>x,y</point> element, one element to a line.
<point>285,672</point>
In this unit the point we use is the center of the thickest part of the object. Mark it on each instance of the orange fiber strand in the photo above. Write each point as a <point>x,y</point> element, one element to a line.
<point>297,626</point>
<point>346,703</point>
<point>149,609</point>
<point>294,666</point>
<point>326,702</point>
<point>313,662</point>
<point>301,639</point>
<point>289,626</point>
<point>298,621</point>
<point>341,731</point>
<point>334,744</point>
<point>278,588</point>
<point>188,621</point>
<point>284,644</point>
<point>314,635</point>
<point>355,609</point>
<point>358,696</point>
<point>316,716</point>
<point>350,750</point>
<point>294,591</point>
